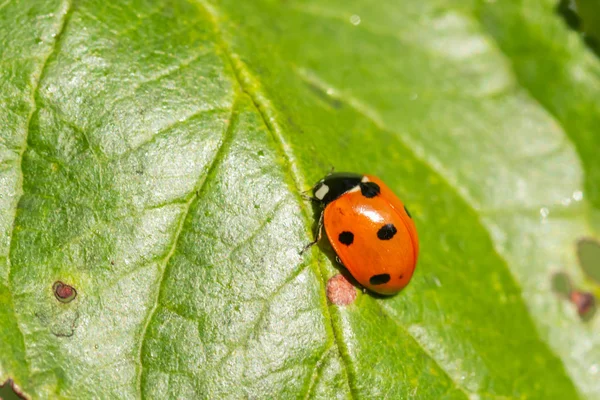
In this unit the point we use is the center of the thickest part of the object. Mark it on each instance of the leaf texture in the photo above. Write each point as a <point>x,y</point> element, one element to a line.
<point>153,157</point>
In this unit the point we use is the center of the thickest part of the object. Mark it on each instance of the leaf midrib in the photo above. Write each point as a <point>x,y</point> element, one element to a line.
<point>245,79</point>
<point>246,82</point>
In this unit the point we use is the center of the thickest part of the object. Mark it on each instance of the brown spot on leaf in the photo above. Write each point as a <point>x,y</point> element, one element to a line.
<point>63,292</point>
<point>584,301</point>
<point>340,291</point>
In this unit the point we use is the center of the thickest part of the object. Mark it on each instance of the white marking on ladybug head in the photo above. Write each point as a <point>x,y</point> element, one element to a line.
<point>365,179</point>
<point>322,191</point>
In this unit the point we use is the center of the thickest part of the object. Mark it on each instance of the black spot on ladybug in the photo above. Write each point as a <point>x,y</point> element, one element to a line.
<point>407,212</point>
<point>369,189</point>
<point>346,238</point>
<point>386,232</point>
<point>379,279</point>
<point>401,277</point>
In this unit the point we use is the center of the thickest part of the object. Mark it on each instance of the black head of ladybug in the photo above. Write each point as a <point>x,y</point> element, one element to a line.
<point>334,185</point>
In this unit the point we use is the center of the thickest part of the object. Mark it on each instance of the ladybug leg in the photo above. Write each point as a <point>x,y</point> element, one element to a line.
<point>319,232</point>
<point>337,259</point>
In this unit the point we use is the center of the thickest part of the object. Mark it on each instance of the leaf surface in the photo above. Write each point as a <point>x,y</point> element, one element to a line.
<point>154,155</point>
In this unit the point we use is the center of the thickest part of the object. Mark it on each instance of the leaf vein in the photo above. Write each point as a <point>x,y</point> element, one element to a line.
<point>4,4</point>
<point>66,11</point>
<point>467,393</point>
<point>243,343</point>
<point>247,82</point>
<point>170,70</point>
<point>316,373</point>
<point>196,194</point>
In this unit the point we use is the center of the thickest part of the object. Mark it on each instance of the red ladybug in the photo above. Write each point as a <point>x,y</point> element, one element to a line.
<point>370,230</point>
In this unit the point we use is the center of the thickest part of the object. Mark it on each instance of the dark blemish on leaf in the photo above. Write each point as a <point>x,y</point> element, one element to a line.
<point>63,292</point>
<point>386,232</point>
<point>569,13</point>
<point>379,279</point>
<point>293,124</point>
<point>584,301</point>
<point>326,97</point>
<point>588,253</point>
<point>369,189</point>
<point>66,330</point>
<point>112,262</point>
<point>346,238</point>
<point>340,291</point>
<point>261,153</point>
<point>561,284</point>
<point>568,10</point>
<point>9,390</point>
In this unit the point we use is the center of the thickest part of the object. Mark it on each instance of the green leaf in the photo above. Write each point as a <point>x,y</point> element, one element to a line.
<point>152,156</point>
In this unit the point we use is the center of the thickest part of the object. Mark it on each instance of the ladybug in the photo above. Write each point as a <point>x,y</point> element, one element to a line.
<point>369,228</point>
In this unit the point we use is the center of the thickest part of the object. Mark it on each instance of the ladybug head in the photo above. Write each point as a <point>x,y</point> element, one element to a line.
<point>334,185</point>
